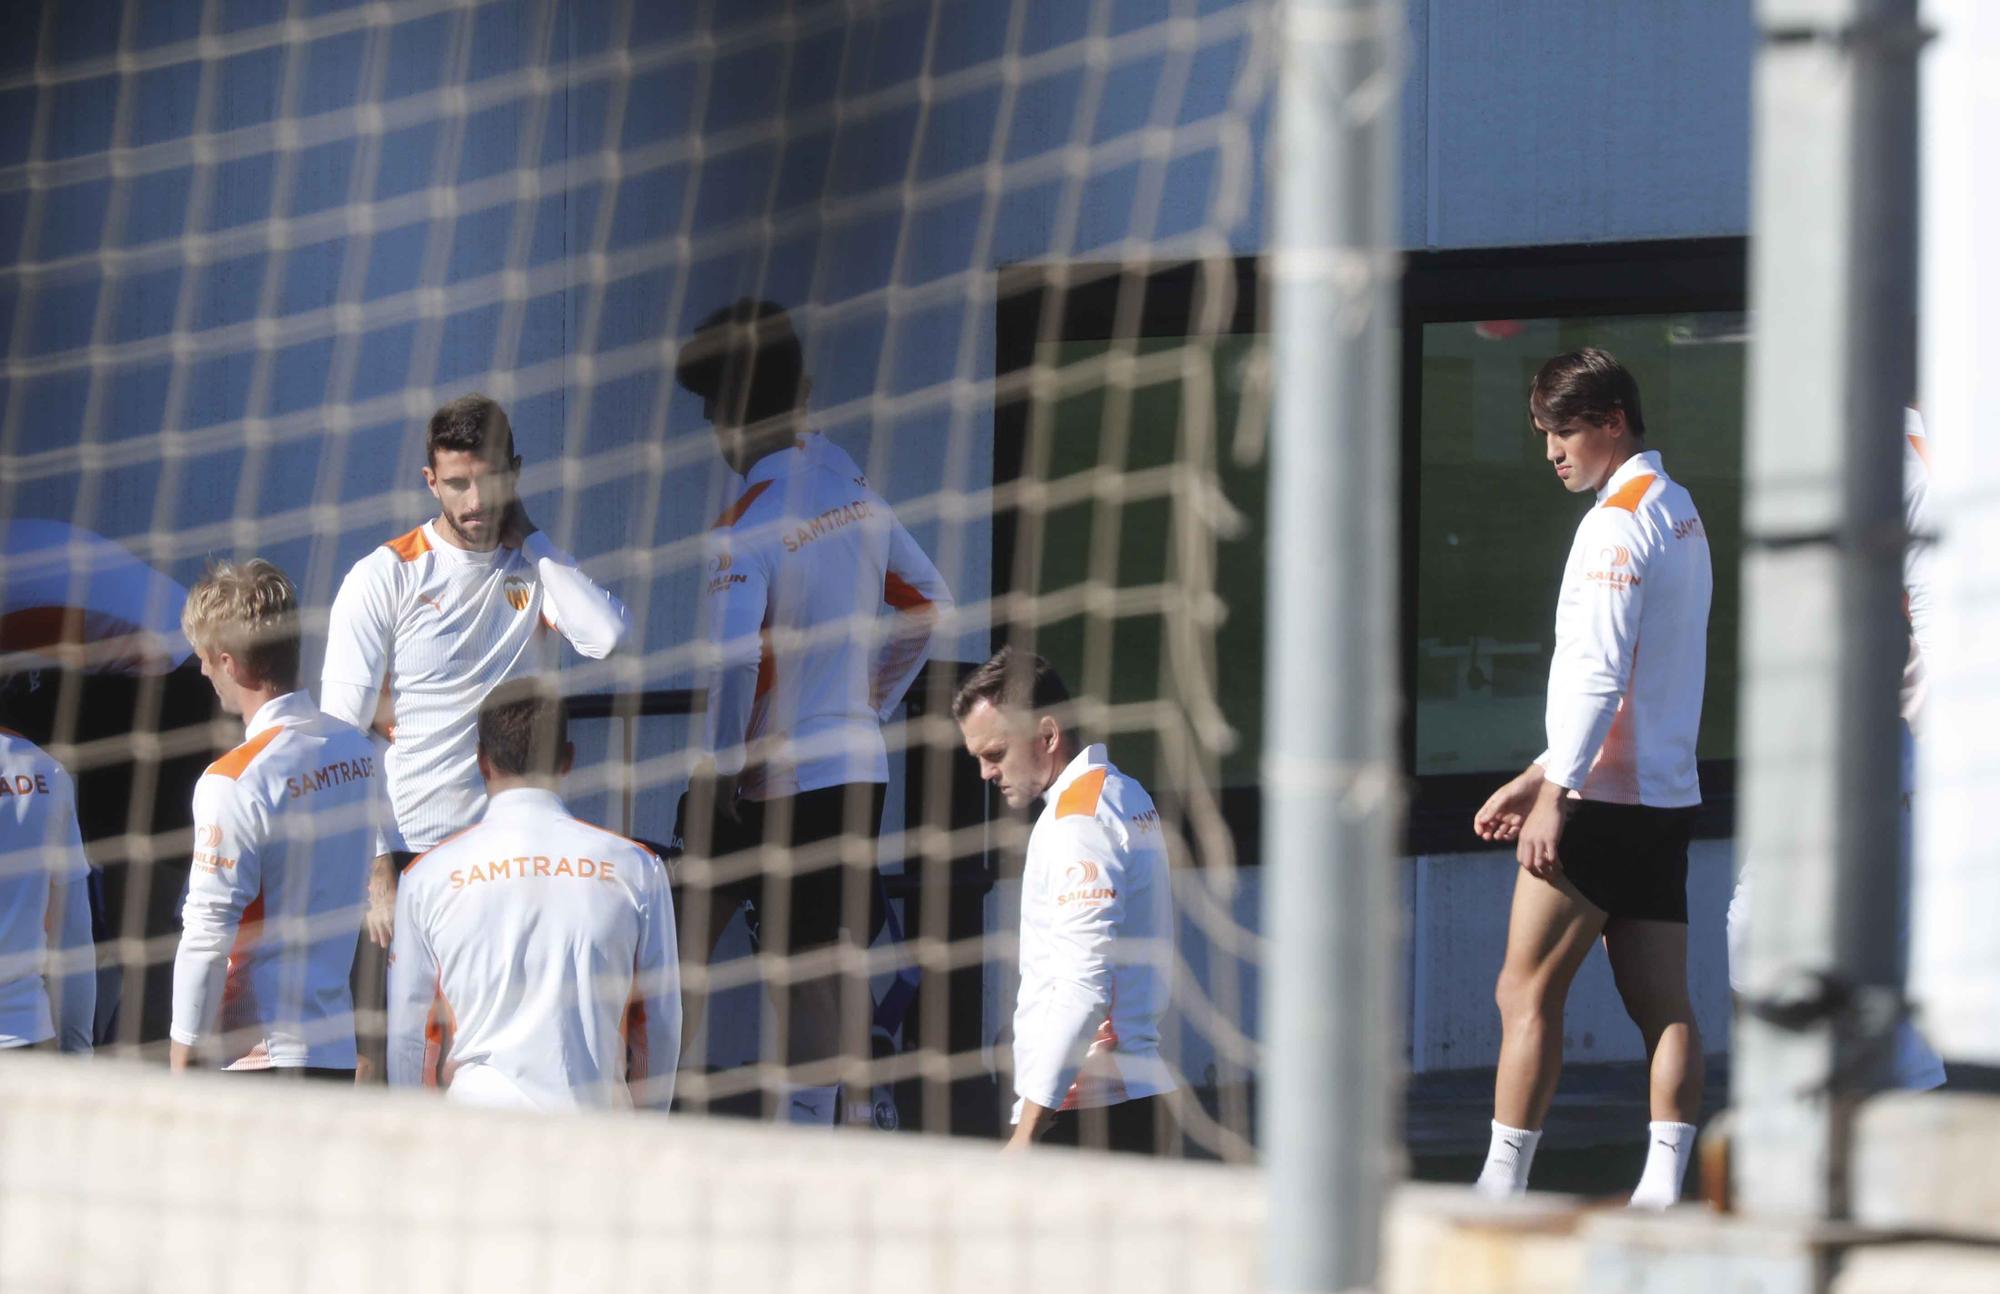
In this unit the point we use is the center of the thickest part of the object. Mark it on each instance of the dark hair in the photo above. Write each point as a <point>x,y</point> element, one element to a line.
<point>465,425</point>
<point>522,728</point>
<point>747,334</point>
<point>1589,384</point>
<point>1011,681</point>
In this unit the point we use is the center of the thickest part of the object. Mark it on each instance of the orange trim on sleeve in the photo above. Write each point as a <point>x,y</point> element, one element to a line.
<point>734,513</point>
<point>236,761</point>
<point>901,594</point>
<point>1632,493</point>
<point>410,546</point>
<point>1923,450</point>
<point>1081,796</point>
<point>440,1027</point>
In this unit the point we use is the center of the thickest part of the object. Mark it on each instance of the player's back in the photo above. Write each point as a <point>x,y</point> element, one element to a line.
<point>37,844</point>
<point>535,924</point>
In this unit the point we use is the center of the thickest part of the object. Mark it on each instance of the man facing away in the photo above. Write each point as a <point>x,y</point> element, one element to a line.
<point>1096,919</point>
<point>820,610</point>
<point>533,964</point>
<point>48,963</point>
<point>436,618</point>
<point>283,827</point>
<point>1601,821</point>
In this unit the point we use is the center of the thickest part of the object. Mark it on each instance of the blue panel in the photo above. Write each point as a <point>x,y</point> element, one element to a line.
<point>467,345</point>
<point>802,174</point>
<point>886,52</point>
<point>544,330</point>
<point>873,153</point>
<point>588,112</point>
<point>815,72</point>
<point>659,106</point>
<point>650,207</point>
<point>926,347</point>
<point>240,15</point>
<point>593,26</point>
<point>479,244</point>
<point>538,424</point>
<point>51,412</point>
<point>500,37</point>
<point>166,24</point>
<point>72,219</point>
<point>1106,214</point>
<point>1189,193</point>
<point>80,117</point>
<point>733,188</point>
<point>60,316</point>
<point>550,240</point>
<point>372,462</point>
<point>1047,24</point>
<point>217,390</point>
<point>299,377</point>
<point>383,365</point>
<point>941,240</point>
<point>619,410</point>
<point>247,93</point>
<point>635,310</point>
<point>168,95</point>
<point>330,76</point>
<point>286,474</point>
<point>321,176</point>
<point>157,205</point>
<point>492,141</point>
<point>417,52</point>
<point>1044,115</point>
<point>146,305</point>
<point>975,36</point>
<point>129,503</point>
<point>843,359</point>
<point>242,191</point>
<point>312,275</point>
<point>668,24</point>
<point>395,261</point>
<point>20,36</point>
<point>857,255</point>
<point>229,291</point>
<point>1211,79</point>
<point>17,125</point>
<point>408,160</point>
<point>81,31</point>
<point>1126,102</point>
<point>1024,227</point>
<point>135,395</point>
<point>744,89</point>
<point>958,134</point>
<point>13,223</point>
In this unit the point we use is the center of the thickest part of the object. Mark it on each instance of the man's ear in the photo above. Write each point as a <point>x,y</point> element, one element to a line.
<point>1049,731</point>
<point>568,759</point>
<point>430,479</point>
<point>485,766</point>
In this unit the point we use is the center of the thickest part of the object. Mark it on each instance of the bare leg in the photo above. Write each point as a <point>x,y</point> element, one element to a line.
<point>1549,933</point>
<point>1649,963</point>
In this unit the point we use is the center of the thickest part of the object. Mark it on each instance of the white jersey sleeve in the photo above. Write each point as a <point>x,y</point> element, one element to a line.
<point>582,611</point>
<point>72,974</point>
<point>653,1016</point>
<point>414,1044</point>
<point>1085,886</point>
<point>1597,633</point>
<point>360,633</point>
<point>916,594</point>
<point>737,595</point>
<point>224,879</point>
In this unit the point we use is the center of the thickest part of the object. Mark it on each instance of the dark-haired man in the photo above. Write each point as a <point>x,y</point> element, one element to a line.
<point>820,610</point>
<point>426,625</point>
<point>1601,820</point>
<point>534,962</point>
<point>1096,918</point>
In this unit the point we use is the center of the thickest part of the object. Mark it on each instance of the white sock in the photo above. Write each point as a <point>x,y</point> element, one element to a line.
<point>1507,1160</point>
<point>1669,1146</point>
<point>812,1106</point>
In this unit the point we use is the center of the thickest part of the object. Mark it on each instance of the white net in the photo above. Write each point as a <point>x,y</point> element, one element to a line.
<point>253,246</point>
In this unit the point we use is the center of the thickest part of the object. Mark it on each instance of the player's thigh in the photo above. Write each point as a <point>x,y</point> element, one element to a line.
<point>1649,966</point>
<point>1550,929</point>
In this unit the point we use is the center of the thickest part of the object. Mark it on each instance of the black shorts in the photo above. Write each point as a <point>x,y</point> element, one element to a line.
<point>1628,859</point>
<point>809,884</point>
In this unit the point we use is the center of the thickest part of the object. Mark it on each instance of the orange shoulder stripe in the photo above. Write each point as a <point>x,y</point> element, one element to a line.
<point>410,546</point>
<point>1631,493</point>
<point>1081,796</point>
<point>1923,450</point>
<point>232,765</point>
<point>734,513</point>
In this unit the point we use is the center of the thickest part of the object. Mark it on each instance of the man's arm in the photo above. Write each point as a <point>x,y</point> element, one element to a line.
<point>413,997</point>
<point>917,594</point>
<point>581,610</point>
<point>354,682</point>
<point>653,1015</point>
<point>225,876</point>
<point>72,971</point>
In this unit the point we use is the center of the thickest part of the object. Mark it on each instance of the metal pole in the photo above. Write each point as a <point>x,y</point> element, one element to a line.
<point>1834,290</point>
<point>1332,794</point>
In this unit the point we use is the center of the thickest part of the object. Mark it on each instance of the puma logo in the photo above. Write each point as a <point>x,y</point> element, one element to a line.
<point>431,602</point>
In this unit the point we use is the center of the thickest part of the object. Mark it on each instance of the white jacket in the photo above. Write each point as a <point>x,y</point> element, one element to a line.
<point>820,610</point>
<point>443,626</point>
<point>43,872</point>
<point>1097,944</point>
<point>534,965</point>
<point>284,826</point>
<point>1631,655</point>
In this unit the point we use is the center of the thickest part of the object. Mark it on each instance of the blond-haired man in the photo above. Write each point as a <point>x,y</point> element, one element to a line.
<point>284,827</point>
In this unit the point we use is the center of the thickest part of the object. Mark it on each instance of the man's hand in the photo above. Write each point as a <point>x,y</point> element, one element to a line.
<point>1500,818</point>
<point>1034,1122</point>
<point>515,526</point>
<point>381,918</point>
<point>1541,833</point>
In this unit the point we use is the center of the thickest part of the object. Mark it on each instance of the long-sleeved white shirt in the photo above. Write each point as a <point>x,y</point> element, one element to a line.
<point>1631,657</point>
<point>46,991</point>
<point>443,626</point>
<point>534,965</point>
<point>820,610</point>
<point>1097,944</point>
<point>284,827</point>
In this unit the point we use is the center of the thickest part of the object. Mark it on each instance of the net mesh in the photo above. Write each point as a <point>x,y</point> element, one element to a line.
<point>254,246</point>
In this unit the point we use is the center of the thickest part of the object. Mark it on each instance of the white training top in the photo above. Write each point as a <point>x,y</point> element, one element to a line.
<point>444,626</point>
<point>808,666</point>
<point>1631,654</point>
<point>1097,944</point>
<point>42,868</point>
<point>284,827</point>
<point>534,965</point>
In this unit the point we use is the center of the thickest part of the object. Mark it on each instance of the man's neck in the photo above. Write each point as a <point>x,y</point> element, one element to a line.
<point>501,783</point>
<point>251,700</point>
<point>449,533</point>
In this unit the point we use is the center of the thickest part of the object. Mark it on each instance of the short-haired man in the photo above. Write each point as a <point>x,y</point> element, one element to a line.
<point>820,609</point>
<point>283,827</point>
<point>1096,918</point>
<point>48,963</point>
<point>533,964</point>
<point>1601,821</point>
<point>434,619</point>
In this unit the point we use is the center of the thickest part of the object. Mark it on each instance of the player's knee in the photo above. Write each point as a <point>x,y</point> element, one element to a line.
<point>1523,994</point>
